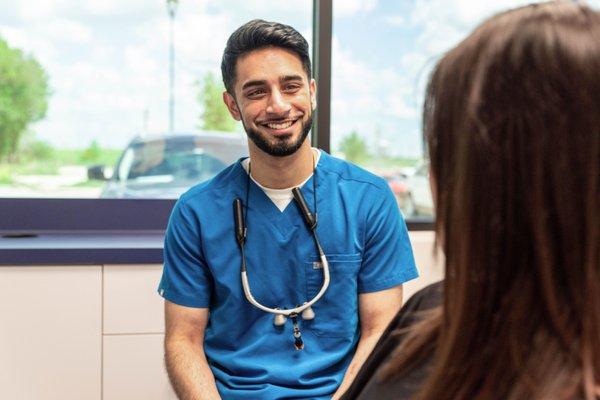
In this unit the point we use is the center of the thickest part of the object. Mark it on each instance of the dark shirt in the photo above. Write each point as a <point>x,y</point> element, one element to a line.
<point>366,385</point>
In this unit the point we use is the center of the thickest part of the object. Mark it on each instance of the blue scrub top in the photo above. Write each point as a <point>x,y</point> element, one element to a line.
<point>366,243</point>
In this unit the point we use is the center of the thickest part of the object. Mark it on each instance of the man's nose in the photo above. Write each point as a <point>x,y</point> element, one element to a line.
<point>278,104</point>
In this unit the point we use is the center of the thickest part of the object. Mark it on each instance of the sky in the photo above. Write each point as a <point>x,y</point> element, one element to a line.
<point>107,61</point>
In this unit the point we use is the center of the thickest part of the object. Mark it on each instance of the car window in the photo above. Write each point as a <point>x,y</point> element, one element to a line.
<point>167,161</point>
<point>423,170</point>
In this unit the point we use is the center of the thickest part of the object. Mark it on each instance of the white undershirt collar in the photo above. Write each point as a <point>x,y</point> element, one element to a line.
<point>281,197</point>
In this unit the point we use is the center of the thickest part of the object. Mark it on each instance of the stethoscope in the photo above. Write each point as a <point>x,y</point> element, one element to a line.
<point>281,314</point>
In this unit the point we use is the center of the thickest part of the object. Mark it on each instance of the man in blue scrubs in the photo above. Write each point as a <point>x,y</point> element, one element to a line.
<point>217,344</point>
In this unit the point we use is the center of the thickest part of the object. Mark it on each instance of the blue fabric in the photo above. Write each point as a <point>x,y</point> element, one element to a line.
<point>366,243</point>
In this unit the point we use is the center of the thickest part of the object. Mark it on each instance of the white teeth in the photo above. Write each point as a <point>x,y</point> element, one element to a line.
<point>282,125</point>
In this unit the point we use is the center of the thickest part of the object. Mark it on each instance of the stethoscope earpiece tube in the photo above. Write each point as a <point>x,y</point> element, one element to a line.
<point>240,225</point>
<point>310,219</point>
<point>240,229</point>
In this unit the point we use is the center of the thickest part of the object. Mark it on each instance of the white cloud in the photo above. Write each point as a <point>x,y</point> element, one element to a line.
<point>31,11</point>
<point>44,51</point>
<point>369,100</point>
<point>443,23</point>
<point>64,30</point>
<point>140,63</point>
<point>345,8</point>
<point>396,106</point>
<point>264,6</point>
<point>394,20</point>
<point>40,10</point>
<point>121,7</point>
<point>297,13</point>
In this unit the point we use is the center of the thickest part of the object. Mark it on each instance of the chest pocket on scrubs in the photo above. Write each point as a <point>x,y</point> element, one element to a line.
<point>337,311</point>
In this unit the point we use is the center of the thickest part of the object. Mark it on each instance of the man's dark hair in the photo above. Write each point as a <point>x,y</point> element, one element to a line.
<point>257,34</point>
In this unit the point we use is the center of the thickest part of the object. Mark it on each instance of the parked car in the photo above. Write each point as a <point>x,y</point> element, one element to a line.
<point>398,185</point>
<point>166,166</point>
<point>419,200</point>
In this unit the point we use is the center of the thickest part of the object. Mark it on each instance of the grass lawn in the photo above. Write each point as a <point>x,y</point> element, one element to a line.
<point>59,158</point>
<point>106,157</point>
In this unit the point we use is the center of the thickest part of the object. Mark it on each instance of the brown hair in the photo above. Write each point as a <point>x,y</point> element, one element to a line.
<point>512,123</point>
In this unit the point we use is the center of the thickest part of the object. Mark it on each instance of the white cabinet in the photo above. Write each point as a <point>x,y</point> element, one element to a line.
<point>131,302</point>
<point>430,265</point>
<point>50,332</point>
<point>133,366</point>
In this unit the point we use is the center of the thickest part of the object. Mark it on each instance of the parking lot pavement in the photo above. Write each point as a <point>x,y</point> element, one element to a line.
<point>60,185</point>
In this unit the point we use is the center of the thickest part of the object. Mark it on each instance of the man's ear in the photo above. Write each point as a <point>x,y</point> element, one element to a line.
<point>313,94</point>
<point>232,106</point>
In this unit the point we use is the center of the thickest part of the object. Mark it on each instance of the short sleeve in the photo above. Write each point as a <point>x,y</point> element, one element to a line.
<point>388,259</point>
<point>186,278</point>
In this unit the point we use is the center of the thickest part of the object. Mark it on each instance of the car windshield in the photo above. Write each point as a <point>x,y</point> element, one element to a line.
<point>174,162</point>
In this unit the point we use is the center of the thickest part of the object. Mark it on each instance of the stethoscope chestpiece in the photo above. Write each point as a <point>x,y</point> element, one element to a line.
<point>308,314</point>
<point>279,320</point>
<point>298,342</point>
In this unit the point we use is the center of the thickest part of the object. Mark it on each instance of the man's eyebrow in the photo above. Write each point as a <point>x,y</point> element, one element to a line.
<point>288,78</point>
<point>254,83</point>
<point>262,82</point>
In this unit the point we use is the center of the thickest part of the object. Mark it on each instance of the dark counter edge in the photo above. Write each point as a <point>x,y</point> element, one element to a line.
<point>94,251</point>
<point>33,257</point>
<point>125,219</point>
<point>98,253</point>
<point>47,219</point>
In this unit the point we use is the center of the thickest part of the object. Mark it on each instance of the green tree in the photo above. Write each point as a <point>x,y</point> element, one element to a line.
<point>92,153</point>
<point>354,148</point>
<point>215,115</point>
<point>24,96</point>
<point>32,149</point>
<point>41,151</point>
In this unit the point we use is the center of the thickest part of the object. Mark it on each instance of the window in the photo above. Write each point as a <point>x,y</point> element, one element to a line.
<point>97,97</point>
<point>382,54</point>
<point>96,118</point>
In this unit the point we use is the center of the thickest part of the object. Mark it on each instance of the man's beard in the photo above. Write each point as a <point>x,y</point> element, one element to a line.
<point>281,147</point>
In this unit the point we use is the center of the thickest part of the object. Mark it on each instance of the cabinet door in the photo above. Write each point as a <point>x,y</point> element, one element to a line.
<point>131,302</point>
<point>134,368</point>
<point>50,332</point>
<point>430,265</point>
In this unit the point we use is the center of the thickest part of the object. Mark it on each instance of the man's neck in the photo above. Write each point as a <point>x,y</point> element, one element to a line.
<point>281,172</point>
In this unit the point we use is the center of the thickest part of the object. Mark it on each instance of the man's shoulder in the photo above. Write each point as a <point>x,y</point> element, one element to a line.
<point>213,188</point>
<point>346,171</point>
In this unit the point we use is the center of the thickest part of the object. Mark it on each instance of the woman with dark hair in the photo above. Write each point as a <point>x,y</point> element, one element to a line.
<point>512,123</point>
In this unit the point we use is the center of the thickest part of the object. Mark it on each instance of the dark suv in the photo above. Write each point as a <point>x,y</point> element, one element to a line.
<point>166,166</point>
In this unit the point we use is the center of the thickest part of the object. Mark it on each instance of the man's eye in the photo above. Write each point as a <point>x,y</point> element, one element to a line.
<point>291,88</point>
<point>255,93</point>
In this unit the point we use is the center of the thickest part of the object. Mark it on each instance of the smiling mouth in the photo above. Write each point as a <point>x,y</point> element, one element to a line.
<point>280,124</point>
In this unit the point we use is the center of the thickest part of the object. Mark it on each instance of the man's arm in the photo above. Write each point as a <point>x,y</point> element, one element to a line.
<point>376,310</point>
<point>186,362</point>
